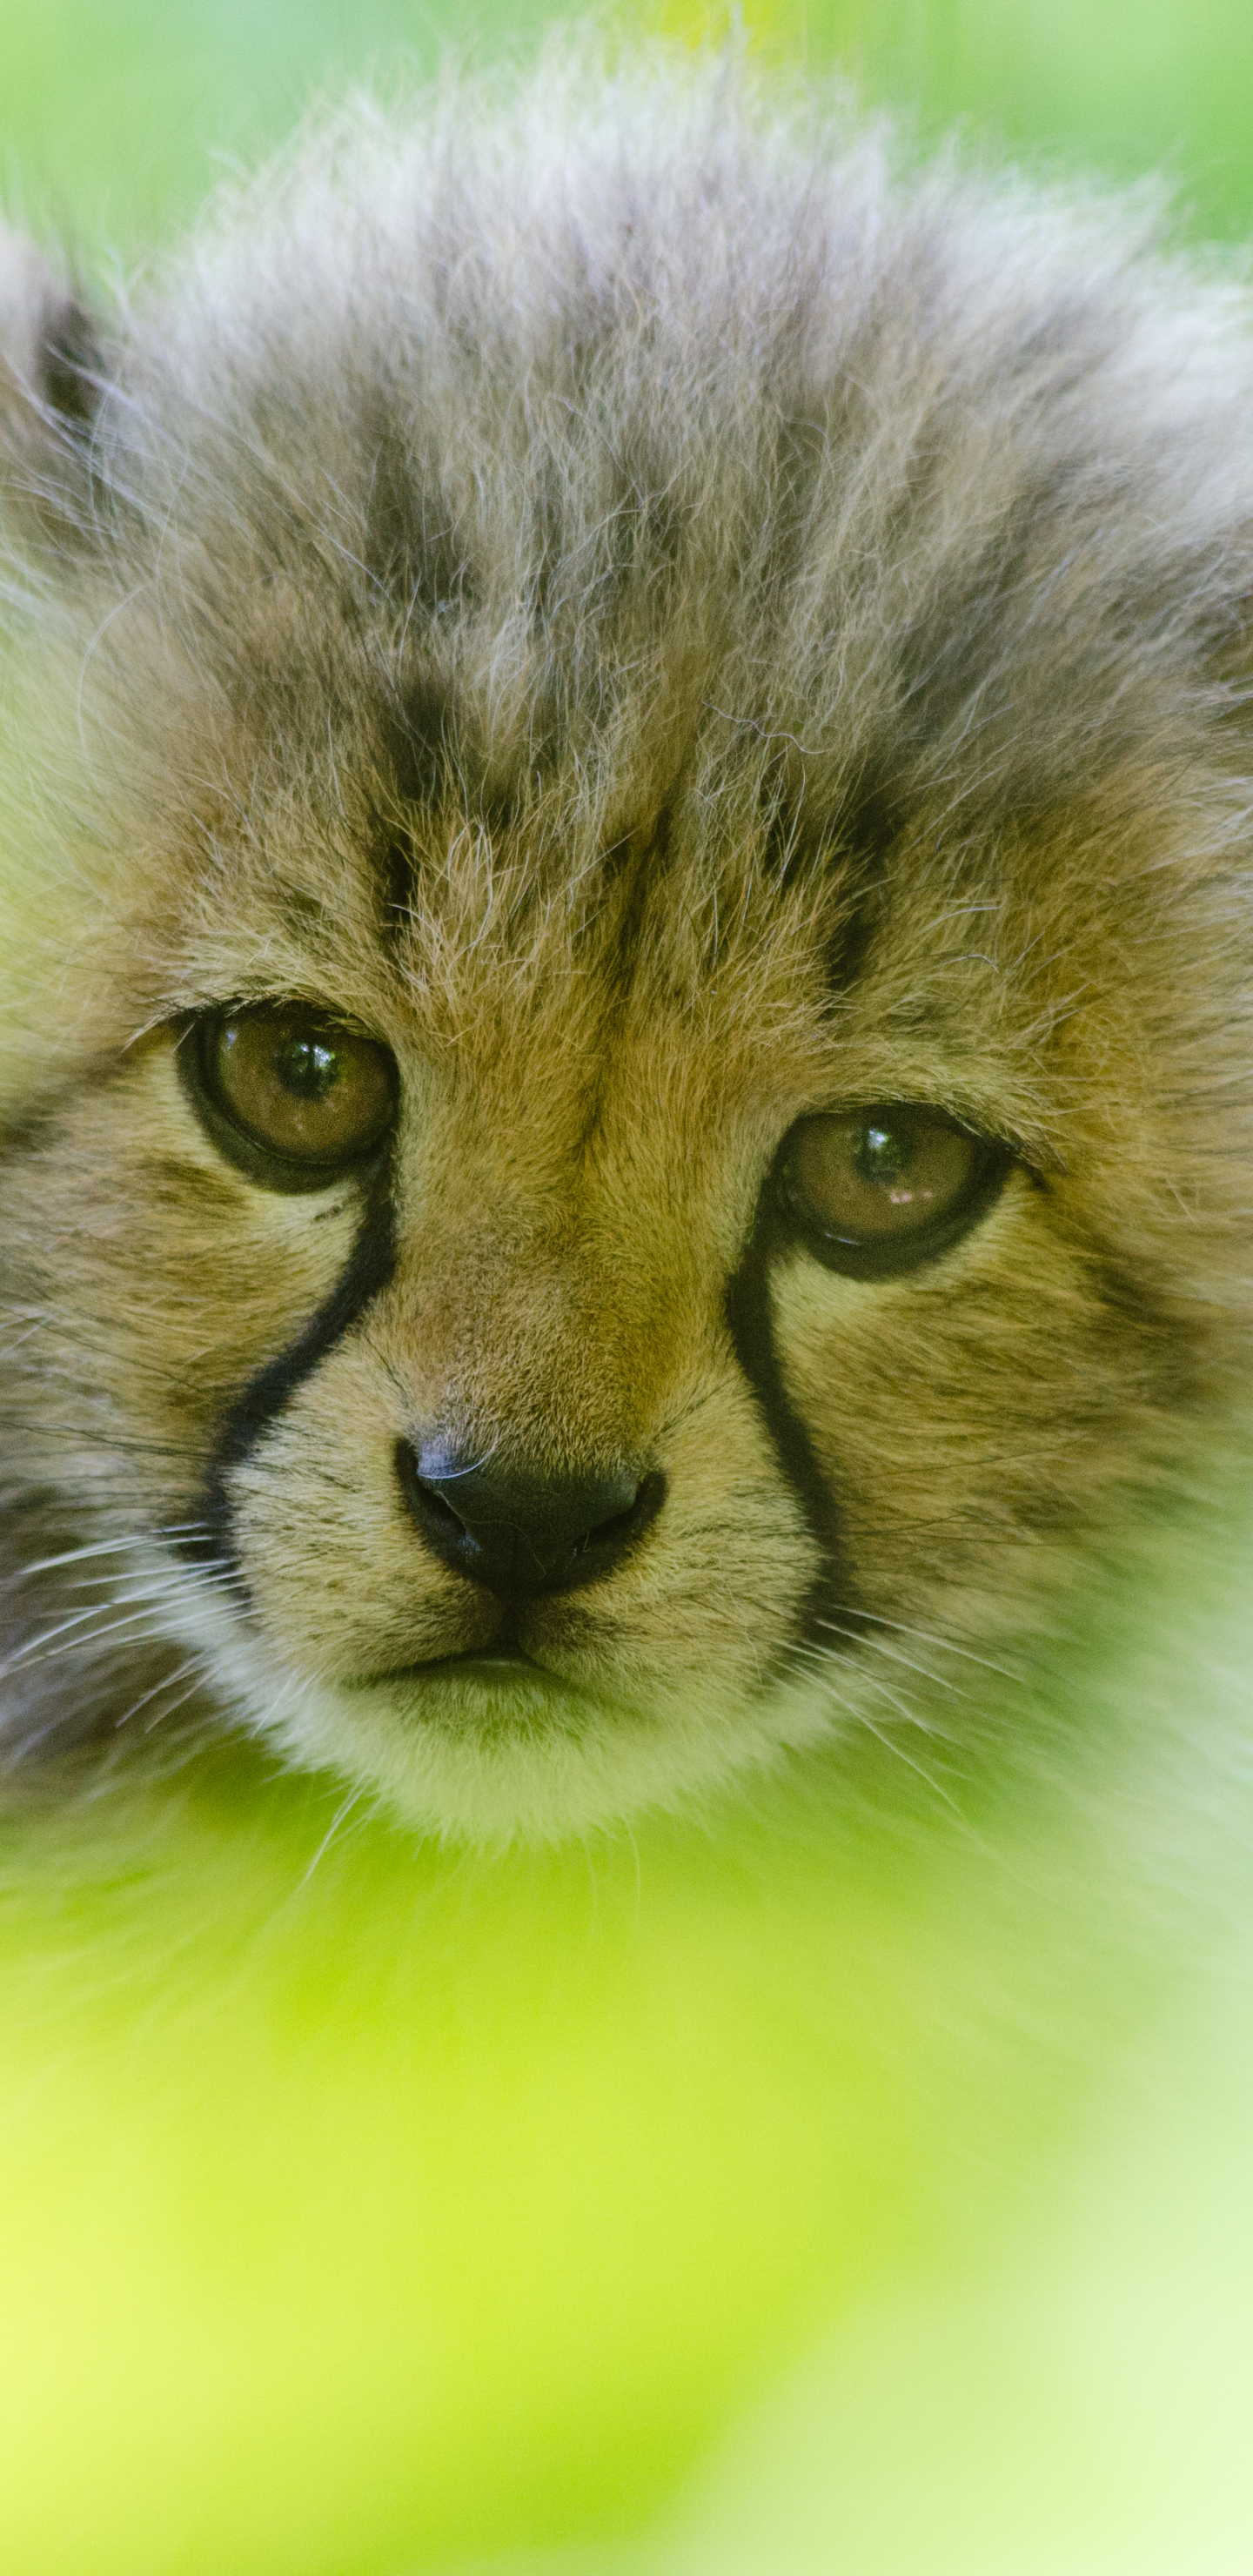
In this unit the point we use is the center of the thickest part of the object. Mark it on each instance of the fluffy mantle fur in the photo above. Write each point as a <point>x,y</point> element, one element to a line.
<point>671,627</point>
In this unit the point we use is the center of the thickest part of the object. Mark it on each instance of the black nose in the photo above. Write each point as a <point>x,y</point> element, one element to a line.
<point>522,1534</point>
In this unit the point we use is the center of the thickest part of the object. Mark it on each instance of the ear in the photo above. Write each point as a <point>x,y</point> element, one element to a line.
<point>48,370</point>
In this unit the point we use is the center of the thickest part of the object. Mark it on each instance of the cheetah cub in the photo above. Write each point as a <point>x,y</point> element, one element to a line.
<point>624,920</point>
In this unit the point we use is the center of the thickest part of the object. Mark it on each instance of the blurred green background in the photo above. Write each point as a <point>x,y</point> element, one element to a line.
<point>365,2208</point>
<point>113,112</point>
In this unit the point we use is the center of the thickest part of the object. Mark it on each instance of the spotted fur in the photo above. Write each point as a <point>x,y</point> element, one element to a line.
<point>671,625</point>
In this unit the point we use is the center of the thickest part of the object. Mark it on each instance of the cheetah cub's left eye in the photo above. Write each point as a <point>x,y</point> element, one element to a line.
<point>288,1096</point>
<point>877,1192</point>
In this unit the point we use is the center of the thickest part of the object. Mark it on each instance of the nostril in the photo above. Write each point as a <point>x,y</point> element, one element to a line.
<point>620,1527</point>
<point>431,1509</point>
<point>434,1501</point>
<point>517,1530</point>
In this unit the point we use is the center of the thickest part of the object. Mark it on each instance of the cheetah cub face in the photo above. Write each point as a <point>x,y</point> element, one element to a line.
<point>624,918</point>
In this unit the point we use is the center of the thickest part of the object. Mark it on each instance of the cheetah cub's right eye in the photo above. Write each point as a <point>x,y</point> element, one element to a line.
<point>877,1192</point>
<point>292,1099</point>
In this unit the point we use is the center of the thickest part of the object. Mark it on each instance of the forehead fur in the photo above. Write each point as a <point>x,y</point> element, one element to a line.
<point>625,478</point>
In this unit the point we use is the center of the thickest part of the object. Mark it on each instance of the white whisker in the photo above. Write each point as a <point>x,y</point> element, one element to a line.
<point>890,1745</point>
<point>340,1817</point>
<point>947,1645</point>
<point>139,1625</point>
<point>166,1683</point>
<point>879,1646</point>
<point>103,1547</point>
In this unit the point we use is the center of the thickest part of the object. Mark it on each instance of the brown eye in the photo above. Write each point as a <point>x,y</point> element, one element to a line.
<point>881,1190</point>
<point>289,1095</point>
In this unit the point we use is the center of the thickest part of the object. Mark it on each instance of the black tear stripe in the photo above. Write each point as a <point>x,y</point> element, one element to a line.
<point>831,1595</point>
<point>367,1271</point>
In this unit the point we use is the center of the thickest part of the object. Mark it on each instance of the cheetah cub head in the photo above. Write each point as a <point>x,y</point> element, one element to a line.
<point>623,927</point>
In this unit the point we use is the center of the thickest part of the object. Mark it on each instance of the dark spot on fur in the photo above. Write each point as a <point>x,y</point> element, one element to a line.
<point>868,826</point>
<point>412,545</point>
<point>629,873</point>
<point>69,364</point>
<point>852,847</point>
<point>854,937</point>
<point>866,831</point>
<point>800,835</point>
<point>431,763</point>
<point>422,744</point>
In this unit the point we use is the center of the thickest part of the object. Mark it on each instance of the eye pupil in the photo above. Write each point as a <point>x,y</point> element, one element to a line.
<point>878,1156</point>
<point>307,1068</point>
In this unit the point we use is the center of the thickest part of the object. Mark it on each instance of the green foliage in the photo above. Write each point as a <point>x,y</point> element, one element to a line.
<point>114,112</point>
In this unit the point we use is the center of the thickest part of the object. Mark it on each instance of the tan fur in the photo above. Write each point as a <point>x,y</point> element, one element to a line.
<point>830,590</point>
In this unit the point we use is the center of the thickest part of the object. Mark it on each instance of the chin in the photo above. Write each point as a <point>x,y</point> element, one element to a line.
<point>493,1756</point>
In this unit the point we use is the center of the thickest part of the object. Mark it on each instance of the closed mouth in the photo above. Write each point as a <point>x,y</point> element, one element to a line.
<point>487,1664</point>
<point>494,1661</point>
